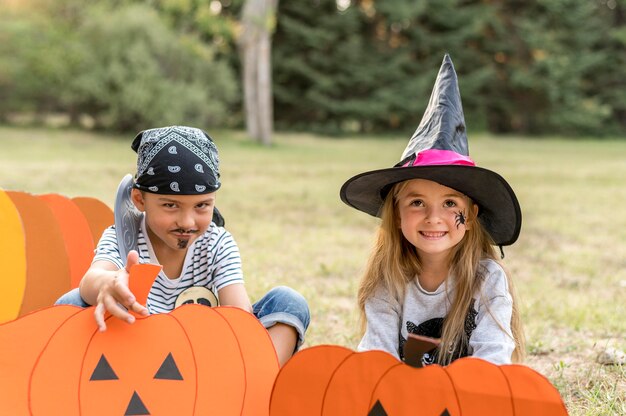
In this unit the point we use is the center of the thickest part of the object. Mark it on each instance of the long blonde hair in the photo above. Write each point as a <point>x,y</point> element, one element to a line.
<point>394,262</point>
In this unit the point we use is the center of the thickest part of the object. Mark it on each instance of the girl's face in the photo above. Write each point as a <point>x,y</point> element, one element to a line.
<point>432,217</point>
<point>175,221</point>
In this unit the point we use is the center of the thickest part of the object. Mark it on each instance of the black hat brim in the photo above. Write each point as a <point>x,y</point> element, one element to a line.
<point>499,210</point>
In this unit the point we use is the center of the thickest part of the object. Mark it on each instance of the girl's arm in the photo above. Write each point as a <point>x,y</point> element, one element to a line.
<point>492,339</point>
<point>383,315</point>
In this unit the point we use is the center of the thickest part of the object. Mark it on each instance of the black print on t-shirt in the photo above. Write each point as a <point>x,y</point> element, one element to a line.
<point>432,328</point>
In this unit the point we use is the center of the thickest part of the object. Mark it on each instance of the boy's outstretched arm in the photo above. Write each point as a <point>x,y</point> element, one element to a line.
<point>235,295</point>
<point>106,287</point>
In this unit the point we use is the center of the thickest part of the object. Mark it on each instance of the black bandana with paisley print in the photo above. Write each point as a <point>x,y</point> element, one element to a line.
<point>176,160</point>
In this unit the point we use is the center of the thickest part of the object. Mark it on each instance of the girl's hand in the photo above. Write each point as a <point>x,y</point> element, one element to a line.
<point>116,298</point>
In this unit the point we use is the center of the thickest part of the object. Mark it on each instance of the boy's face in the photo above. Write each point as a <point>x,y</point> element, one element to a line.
<point>175,221</point>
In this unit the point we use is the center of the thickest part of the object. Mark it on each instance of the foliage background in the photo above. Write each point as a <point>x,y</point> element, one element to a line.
<point>540,67</point>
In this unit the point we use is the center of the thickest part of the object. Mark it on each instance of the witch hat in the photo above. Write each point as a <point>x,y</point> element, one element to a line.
<point>438,151</point>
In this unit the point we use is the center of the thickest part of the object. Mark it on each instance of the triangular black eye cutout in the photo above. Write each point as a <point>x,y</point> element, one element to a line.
<point>136,406</point>
<point>377,410</point>
<point>445,413</point>
<point>103,371</point>
<point>168,370</point>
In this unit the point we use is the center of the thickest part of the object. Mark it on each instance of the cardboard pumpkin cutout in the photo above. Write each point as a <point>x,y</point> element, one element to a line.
<point>367,367</point>
<point>21,343</point>
<point>192,361</point>
<point>75,232</point>
<point>47,267</point>
<point>375,383</point>
<point>314,367</point>
<point>12,258</point>
<point>46,247</point>
<point>141,277</point>
<point>99,216</point>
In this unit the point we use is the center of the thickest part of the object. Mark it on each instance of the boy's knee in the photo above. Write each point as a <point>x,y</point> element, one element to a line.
<point>72,298</point>
<point>288,300</point>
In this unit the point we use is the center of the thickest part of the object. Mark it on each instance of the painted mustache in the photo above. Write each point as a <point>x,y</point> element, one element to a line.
<point>183,231</point>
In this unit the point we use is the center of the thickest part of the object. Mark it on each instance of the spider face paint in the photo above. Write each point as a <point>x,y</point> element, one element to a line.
<point>459,219</point>
<point>182,243</point>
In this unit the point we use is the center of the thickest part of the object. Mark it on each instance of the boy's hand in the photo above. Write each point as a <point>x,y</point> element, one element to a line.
<point>116,298</point>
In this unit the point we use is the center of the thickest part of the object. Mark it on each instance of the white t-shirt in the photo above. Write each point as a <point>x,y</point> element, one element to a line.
<point>487,324</point>
<point>212,262</point>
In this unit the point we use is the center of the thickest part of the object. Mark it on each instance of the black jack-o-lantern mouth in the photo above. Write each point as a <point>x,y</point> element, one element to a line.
<point>379,410</point>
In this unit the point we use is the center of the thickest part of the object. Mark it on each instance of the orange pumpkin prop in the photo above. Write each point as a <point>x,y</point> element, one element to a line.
<point>313,367</point>
<point>47,267</point>
<point>261,372</point>
<point>46,246</point>
<point>75,232</point>
<point>99,216</point>
<point>192,361</point>
<point>21,342</point>
<point>12,258</point>
<point>368,367</point>
<point>375,383</point>
<point>140,280</point>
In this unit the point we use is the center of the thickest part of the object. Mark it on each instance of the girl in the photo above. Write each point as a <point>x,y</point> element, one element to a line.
<point>433,270</point>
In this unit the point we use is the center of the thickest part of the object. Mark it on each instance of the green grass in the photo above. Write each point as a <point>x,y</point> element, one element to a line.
<point>282,205</point>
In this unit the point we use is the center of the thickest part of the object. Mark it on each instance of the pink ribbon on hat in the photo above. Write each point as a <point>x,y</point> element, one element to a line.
<point>440,157</point>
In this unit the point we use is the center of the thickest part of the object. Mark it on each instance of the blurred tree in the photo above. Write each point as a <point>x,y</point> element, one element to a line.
<point>215,22</point>
<point>608,82</point>
<point>138,72</point>
<point>258,21</point>
<point>117,62</point>
<point>422,33</point>
<point>37,58</point>
<point>331,72</point>
<point>545,57</point>
<point>365,65</point>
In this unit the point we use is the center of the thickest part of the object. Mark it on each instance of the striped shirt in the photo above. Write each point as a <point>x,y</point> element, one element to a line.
<point>212,262</point>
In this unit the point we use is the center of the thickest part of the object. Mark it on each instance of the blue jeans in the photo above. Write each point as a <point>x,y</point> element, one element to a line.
<point>284,305</point>
<point>280,305</point>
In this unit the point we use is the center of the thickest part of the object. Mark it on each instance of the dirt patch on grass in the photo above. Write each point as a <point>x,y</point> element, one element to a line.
<point>569,361</point>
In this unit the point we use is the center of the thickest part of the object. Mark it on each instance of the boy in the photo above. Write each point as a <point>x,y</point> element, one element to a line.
<point>175,188</point>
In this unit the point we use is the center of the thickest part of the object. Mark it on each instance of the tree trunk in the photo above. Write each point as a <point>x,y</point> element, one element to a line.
<point>258,23</point>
